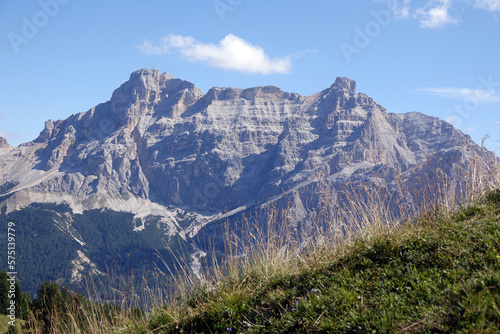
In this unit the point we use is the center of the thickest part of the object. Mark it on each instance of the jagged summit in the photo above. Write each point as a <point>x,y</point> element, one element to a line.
<point>146,81</point>
<point>148,72</point>
<point>148,90</point>
<point>345,84</point>
<point>4,143</point>
<point>151,86</point>
<point>223,93</point>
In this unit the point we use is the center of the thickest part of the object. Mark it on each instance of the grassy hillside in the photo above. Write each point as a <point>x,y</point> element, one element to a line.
<point>440,274</point>
<point>4,324</point>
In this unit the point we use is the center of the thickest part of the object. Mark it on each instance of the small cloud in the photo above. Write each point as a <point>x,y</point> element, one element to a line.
<point>303,53</point>
<point>403,11</point>
<point>489,5</point>
<point>10,135</point>
<point>471,129</point>
<point>435,14</point>
<point>454,120</point>
<point>400,8</point>
<point>150,49</point>
<point>231,53</point>
<point>482,96</point>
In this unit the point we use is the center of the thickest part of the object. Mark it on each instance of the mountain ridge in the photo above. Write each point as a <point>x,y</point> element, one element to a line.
<point>163,151</point>
<point>151,106</point>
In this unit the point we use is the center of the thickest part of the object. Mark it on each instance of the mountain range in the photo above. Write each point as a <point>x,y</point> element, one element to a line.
<point>172,159</point>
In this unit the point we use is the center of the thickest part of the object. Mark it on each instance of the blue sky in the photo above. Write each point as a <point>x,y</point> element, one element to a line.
<point>439,57</point>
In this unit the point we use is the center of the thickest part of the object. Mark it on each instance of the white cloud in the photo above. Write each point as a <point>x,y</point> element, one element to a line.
<point>403,11</point>
<point>307,52</point>
<point>479,95</point>
<point>435,14</point>
<point>10,135</point>
<point>454,120</point>
<point>489,5</point>
<point>400,8</point>
<point>231,53</point>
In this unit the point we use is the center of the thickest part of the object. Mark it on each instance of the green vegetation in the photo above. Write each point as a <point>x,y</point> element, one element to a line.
<point>6,328</point>
<point>58,310</point>
<point>38,242</point>
<point>439,274</point>
<point>22,300</point>
<point>22,305</point>
<point>7,186</point>
<point>45,232</point>
<point>110,237</point>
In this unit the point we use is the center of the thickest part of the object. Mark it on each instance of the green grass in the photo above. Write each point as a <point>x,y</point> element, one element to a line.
<point>4,324</point>
<point>440,274</point>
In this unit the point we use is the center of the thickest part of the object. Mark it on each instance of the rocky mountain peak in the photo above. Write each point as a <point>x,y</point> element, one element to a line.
<point>149,78</point>
<point>344,84</point>
<point>141,83</point>
<point>3,143</point>
<point>147,89</point>
<point>266,92</point>
<point>223,93</point>
<point>50,130</point>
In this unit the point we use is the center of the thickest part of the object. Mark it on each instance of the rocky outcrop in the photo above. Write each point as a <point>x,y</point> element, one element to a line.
<point>3,143</point>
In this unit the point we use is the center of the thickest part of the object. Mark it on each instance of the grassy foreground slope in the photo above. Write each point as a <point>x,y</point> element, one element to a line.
<point>4,324</point>
<point>440,274</point>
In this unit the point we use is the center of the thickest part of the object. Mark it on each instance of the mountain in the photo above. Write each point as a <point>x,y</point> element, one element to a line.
<point>161,149</point>
<point>4,144</point>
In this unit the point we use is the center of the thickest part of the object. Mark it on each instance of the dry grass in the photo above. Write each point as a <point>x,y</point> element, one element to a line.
<point>259,253</point>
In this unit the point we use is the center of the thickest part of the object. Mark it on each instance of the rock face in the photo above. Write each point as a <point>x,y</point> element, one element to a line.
<point>161,146</point>
<point>3,143</point>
